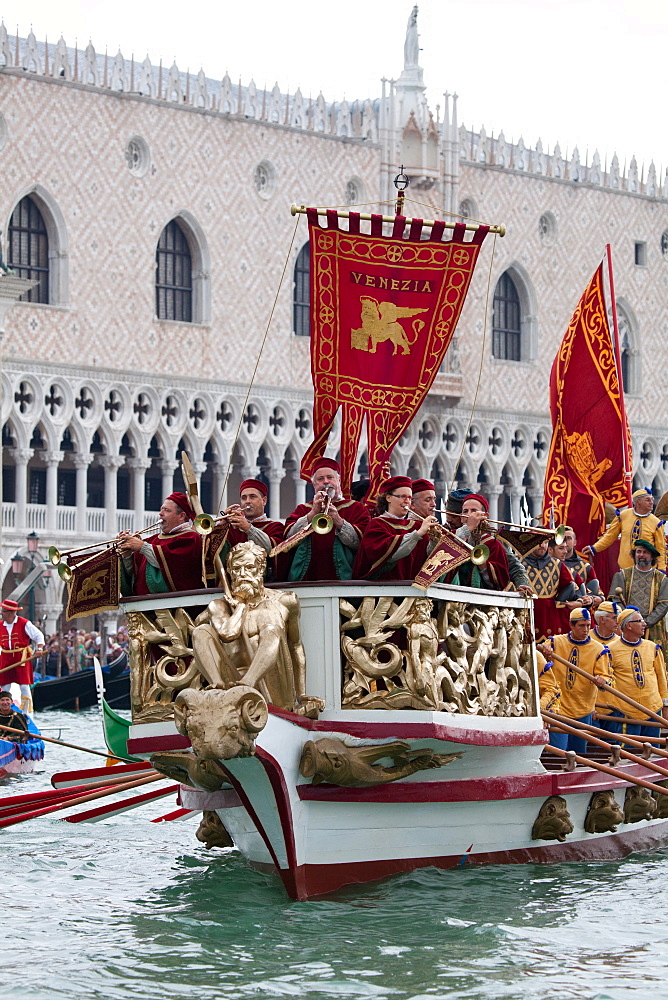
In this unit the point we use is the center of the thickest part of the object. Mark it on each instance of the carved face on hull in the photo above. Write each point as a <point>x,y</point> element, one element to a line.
<point>221,725</point>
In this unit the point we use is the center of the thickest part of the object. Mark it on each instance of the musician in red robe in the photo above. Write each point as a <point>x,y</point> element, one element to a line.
<point>394,545</point>
<point>248,521</point>
<point>17,636</point>
<point>326,556</point>
<point>494,574</point>
<point>170,560</point>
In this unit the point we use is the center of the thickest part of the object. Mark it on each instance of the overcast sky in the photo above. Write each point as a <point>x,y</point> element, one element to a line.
<point>590,73</point>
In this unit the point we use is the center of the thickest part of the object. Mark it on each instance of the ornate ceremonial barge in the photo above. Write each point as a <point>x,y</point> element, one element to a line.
<point>338,731</point>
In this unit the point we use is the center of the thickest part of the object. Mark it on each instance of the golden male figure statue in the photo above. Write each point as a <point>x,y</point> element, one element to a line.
<point>252,637</point>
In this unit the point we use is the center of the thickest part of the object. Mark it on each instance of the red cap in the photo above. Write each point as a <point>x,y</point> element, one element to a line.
<point>254,484</point>
<point>477,496</point>
<point>181,500</point>
<point>9,605</point>
<point>325,463</point>
<point>395,483</point>
<point>420,485</point>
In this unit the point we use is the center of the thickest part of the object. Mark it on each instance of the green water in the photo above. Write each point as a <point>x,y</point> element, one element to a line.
<point>130,909</point>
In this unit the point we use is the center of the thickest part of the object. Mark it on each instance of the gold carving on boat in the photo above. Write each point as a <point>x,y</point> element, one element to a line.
<point>638,804</point>
<point>221,725</point>
<point>332,761</point>
<point>211,831</point>
<point>661,801</point>
<point>183,766</point>
<point>251,636</point>
<point>461,658</point>
<point>553,821</point>
<point>603,813</point>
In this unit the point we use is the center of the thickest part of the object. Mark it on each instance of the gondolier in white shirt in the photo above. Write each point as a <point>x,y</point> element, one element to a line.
<point>17,636</point>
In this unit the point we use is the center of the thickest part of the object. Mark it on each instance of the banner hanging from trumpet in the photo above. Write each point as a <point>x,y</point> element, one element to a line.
<point>94,585</point>
<point>383,313</point>
<point>590,432</point>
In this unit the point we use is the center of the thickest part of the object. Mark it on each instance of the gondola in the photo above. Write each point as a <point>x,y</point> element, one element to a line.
<point>77,690</point>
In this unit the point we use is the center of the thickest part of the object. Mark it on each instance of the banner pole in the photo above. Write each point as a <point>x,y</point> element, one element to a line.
<point>628,472</point>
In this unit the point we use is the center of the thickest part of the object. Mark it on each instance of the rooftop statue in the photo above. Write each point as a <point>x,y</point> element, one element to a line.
<point>412,43</point>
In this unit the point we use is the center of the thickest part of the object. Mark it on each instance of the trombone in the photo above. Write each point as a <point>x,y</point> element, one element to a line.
<point>479,553</point>
<point>559,533</point>
<point>55,556</point>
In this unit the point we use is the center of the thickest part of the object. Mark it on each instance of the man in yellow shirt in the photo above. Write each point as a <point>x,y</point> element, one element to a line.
<point>639,671</point>
<point>549,693</point>
<point>578,694</point>
<point>630,525</point>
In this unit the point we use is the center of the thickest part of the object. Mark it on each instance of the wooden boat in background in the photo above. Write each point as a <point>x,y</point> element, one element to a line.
<point>77,690</point>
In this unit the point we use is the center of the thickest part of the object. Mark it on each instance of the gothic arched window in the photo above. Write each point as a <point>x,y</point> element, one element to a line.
<point>506,323</point>
<point>301,293</point>
<point>174,281</point>
<point>29,248</point>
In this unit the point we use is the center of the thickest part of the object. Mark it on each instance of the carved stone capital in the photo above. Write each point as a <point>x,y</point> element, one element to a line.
<point>21,456</point>
<point>51,457</point>
<point>111,462</point>
<point>81,460</point>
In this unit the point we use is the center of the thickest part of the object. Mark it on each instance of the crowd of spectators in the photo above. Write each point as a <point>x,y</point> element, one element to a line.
<point>68,652</point>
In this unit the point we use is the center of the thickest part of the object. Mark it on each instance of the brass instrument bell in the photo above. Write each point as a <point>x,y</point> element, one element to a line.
<point>479,555</point>
<point>560,533</point>
<point>54,555</point>
<point>64,572</point>
<point>322,524</point>
<point>204,524</point>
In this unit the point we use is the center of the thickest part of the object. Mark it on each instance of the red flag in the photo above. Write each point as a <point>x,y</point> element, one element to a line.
<point>383,312</point>
<point>590,432</point>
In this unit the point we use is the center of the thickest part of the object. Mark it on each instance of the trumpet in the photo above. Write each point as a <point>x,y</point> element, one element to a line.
<point>479,553</point>
<point>205,523</point>
<point>55,556</point>
<point>322,523</point>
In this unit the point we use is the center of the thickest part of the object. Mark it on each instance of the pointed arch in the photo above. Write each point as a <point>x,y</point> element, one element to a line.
<point>38,245</point>
<point>514,316</point>
<point>183,266</point>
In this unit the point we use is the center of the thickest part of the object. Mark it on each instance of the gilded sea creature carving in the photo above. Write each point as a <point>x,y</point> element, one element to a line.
<point>331,760</point>
<point>465,658</point>
<point>221,725</point>
<point>183,766</point>
<point>603,813</point>
<point>661,801</point>
<point>638,804</point>
<point>211,831</point>
<point>553,821</point>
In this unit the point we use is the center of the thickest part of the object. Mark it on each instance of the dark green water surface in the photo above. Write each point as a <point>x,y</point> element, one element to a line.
<point>130,909</point>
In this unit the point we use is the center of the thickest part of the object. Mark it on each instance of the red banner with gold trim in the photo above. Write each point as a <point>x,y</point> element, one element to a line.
<point>585,466</point>
<point>383,312</point>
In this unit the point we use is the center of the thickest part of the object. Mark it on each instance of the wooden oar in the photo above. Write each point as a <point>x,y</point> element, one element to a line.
<point>114,808</point>
<point>19,663</point>
<point>176,814</point>
<point>18,803</point>
<point>66,779</point>
<point>582,732</point>
<point>609,770</point>
<point>606,687</point>
<point>636,741</point>
<point>635,722</point>
<point>76,800</point>
<point>60,743</point>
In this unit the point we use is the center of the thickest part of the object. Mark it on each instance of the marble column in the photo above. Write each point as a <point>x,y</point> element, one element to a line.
<point>199,468</point>
<point>139,467</point>
<point>168,467</point>
<point>535,495</point>
<point>81,462</point>
<point>493,494</point>
<point>219,486</point>
<point>300,488</point>
<point>21,458</point>
<point>52,460</point>
<point>516,494</point>
<point>275,477</point>
<point>111,464</point>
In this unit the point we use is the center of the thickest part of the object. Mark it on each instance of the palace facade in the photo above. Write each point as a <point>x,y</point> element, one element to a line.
<point>169,310</point>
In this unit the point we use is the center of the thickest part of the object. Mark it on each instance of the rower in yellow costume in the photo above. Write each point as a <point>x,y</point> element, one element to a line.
<point>578,695</point>
<point>629,526</point>
<point>639,671</point>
